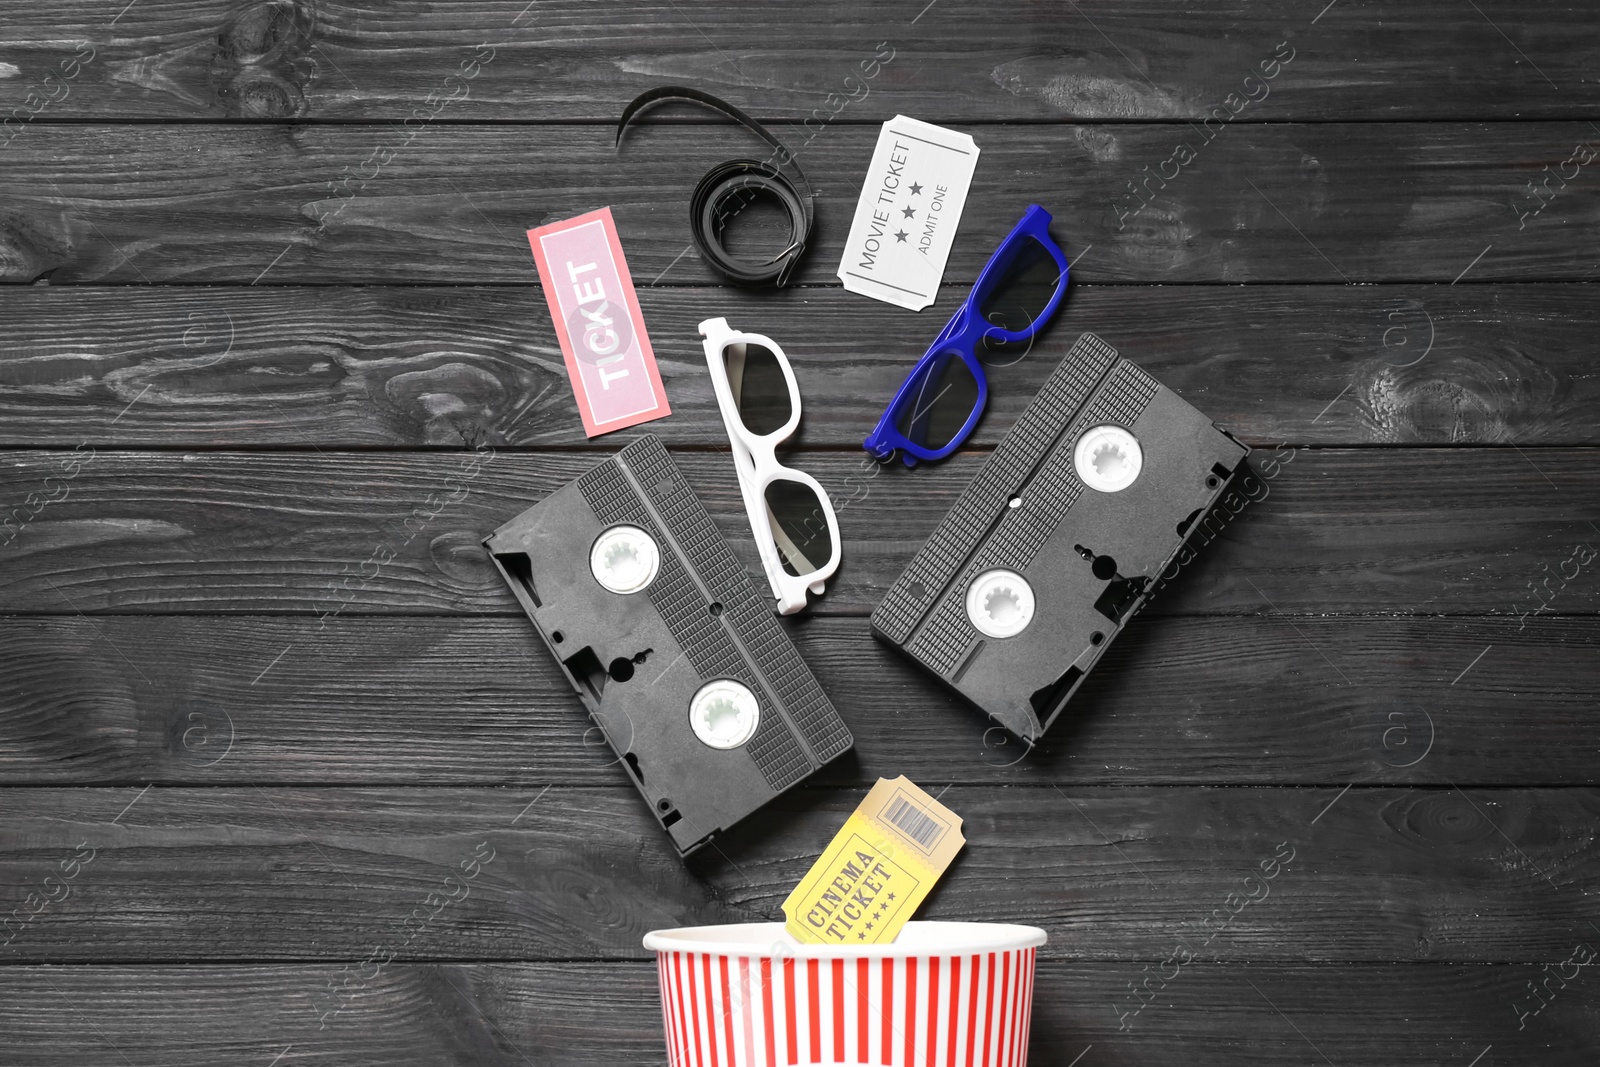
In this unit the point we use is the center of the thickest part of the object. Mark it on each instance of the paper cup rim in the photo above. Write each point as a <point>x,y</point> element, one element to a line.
<point>929,938</point>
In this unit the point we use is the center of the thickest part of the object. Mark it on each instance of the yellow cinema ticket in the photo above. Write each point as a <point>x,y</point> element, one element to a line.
<point>871,878</point>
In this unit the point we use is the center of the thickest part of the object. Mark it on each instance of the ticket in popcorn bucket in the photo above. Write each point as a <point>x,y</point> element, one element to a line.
<point>871,878</point>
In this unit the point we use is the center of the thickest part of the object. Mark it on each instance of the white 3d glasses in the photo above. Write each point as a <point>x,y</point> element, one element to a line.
<point>791,516</point>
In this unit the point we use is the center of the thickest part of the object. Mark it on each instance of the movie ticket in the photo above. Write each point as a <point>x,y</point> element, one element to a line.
<point>590,292</point>
<point>870,879</point>
<point>907,216</point>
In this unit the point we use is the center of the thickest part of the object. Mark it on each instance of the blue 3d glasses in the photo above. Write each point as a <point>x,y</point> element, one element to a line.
<point>942,399</point>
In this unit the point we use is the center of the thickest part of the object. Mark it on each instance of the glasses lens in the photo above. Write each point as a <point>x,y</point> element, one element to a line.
<point>759,388</point>
<point>799,526</point>
<point>942,399</point>
<point>1024,284</point>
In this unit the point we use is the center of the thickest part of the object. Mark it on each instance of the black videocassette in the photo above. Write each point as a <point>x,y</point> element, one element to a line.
<point>681,663</point>
<point>1060,538</point>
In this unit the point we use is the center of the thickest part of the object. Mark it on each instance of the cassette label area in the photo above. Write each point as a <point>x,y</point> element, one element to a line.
<point>1060,538</point>
<point>681,663</point>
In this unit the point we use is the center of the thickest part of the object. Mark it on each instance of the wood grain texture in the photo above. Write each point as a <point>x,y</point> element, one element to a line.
<point>1387,531</point>
<point>280,204</point>
<point>270,309</point>
<point>447,367</point>
<point>510,1015</point>
<point>1097,60</point>
<point>268,873</point>
<point>362,700</point>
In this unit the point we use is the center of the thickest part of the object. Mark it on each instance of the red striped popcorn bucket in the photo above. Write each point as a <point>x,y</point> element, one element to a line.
<point>944,994</point>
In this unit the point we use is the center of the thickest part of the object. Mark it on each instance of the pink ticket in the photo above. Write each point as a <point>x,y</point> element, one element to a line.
<point>609,360</point>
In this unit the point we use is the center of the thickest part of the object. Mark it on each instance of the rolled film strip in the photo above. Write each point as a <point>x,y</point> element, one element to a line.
<point>667,642</point>
<point>1060,538</point>
<point>731,186</point>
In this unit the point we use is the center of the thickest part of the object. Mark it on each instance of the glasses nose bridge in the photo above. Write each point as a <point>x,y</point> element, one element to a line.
<point>765,452</point>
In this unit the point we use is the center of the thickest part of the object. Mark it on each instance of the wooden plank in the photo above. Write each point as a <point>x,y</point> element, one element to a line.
<point>392,366</point>
<point>393,701</point>
<point>1217,1014</point>
<point>1405,531</point>
<point>1342,202</point>
<point>254,873</point>
<point>203,59</point>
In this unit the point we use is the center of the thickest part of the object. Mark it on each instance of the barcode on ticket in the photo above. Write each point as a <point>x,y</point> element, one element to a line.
<point>912,821</point>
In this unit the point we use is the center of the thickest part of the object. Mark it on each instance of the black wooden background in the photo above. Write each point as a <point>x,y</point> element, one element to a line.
<point>256,317</point>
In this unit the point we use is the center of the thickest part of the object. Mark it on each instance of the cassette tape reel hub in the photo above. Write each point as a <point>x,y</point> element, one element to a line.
<point>624,559</point>
<point>1000,603</point>
<point>724,714</point>
<point>1108,458</point>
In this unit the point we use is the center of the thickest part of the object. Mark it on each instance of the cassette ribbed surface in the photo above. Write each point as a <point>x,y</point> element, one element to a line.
<point>705,637</point>
<point>982,531</point>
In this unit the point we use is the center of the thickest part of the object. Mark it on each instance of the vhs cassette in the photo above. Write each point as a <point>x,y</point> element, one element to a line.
<point>1060,539</point>
<point>678,659</point>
